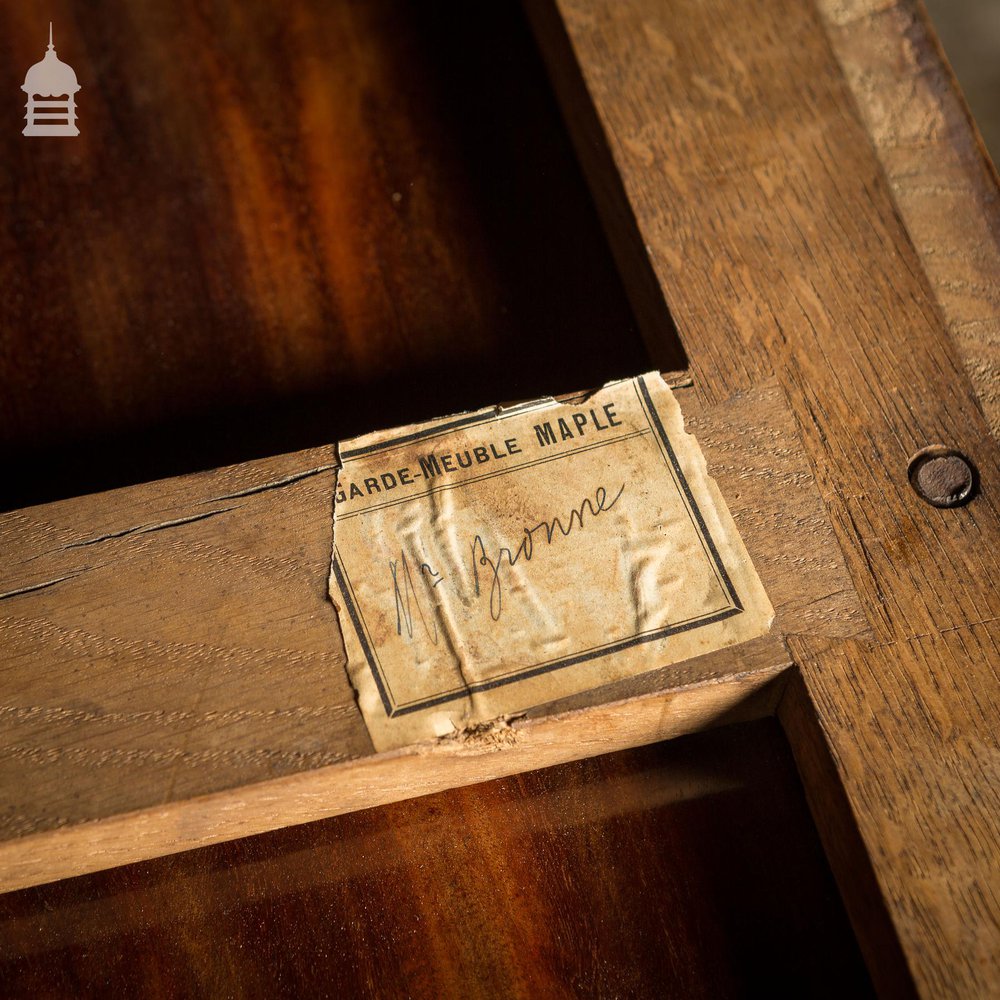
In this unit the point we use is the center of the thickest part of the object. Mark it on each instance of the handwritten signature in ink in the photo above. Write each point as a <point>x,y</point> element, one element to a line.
<point>545,531</point>
<point>407,599</point>
<point>487,569</point>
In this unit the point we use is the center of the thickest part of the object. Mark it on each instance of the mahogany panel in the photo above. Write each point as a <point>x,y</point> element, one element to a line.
<point>283,224</point>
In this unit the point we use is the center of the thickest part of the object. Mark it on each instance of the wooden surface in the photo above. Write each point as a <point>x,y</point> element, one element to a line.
<point>942,180</point>
<point>277,222</point>
<point>689,869</point>
<point>738,172</point>
<point>169,647</point>
<point>775,238</point>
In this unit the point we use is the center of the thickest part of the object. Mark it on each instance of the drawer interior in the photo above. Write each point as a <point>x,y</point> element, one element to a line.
<point>688,868</point>
<point>326,218</point>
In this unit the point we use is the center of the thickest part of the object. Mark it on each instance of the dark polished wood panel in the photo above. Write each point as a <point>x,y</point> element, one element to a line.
<point>686,869</point>
<point>285,223</point>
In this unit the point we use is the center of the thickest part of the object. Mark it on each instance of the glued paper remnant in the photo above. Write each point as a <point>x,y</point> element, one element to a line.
<point>497,560</point>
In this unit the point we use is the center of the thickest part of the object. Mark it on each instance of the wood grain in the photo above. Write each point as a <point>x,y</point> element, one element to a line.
<point>168,646</point>
<point>777,243</point>
<point>278,221</point>
<point>865,700</point>
<point>941,176</point>
<point>736,160</point>
<point>775,238</point>
<point>688,869</point>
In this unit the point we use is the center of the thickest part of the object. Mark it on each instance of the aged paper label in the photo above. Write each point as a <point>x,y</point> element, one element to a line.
<point>493,561</point>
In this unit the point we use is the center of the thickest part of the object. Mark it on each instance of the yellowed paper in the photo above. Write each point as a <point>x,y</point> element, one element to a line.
<point>497,560</point>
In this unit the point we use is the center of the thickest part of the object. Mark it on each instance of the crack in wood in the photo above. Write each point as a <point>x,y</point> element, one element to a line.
<point>32,587</point>
<point>275,484</point>
<point>143,529</point>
